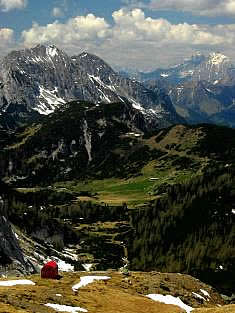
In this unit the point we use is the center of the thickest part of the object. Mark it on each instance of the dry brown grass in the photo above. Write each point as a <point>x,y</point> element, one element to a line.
<point>112,296</point>
<point>116,295</point>
<point>224,309</point>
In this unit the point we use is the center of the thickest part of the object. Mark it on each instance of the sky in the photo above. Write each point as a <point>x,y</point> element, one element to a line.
<point>133,34</point>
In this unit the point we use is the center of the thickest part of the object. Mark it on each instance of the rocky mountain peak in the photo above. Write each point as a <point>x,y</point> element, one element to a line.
<point>43,78</point>
<point>93,65</point>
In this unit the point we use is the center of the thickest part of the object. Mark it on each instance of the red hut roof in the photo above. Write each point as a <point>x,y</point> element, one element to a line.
<point>50,270</point>
<point>51,264</point>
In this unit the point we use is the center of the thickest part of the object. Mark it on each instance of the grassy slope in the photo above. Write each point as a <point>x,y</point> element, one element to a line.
<point>138,189</point>
<point>224,309</point>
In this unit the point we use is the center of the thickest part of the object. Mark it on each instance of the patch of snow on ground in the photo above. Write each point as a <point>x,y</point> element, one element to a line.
<point>65,308</point>
<point>170,300</point>
<point>9,283</point>
<point>198,296</point>
<point>70,254</point>
<point>85,280</point>
<point>205,293</point>
<point>64,267</point>
<point>58,295</point>
<point>233,211</point>
<point>87,266</point>
<point>39,256</point>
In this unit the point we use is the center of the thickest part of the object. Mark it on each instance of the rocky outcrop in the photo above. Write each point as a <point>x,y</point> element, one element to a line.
<point>11,256</point>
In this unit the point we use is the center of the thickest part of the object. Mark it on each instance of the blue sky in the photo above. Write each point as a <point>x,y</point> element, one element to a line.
<point>128,33</point>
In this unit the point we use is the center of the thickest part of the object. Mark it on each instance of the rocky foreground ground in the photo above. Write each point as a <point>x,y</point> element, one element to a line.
<point>118,294</point>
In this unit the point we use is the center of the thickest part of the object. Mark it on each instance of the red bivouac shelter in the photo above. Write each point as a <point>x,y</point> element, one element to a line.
<point>50,270</point>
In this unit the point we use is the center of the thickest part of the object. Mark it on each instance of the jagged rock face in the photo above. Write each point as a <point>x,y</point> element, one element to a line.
<point>155,105</point>
<point>11,255</point>
<point>40,79</point>
<point>32,78</point>
<point>10,252</point>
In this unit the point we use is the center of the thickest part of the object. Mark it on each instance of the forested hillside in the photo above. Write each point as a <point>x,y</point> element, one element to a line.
<point>190,228</point>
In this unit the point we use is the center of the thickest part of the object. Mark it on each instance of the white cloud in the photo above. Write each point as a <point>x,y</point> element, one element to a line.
<point>133,25</point>
<point>7,5</point>
<point>7,41</point>
<point>133,39</point>
<point>200,7</point>
<point>78,30</point>
<point>57,12</point>
<point>6,37</point>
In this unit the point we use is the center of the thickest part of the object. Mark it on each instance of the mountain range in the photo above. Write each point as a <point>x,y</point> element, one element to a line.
<point>213,68</point>
<point>201,88</point>
<point>34,82</point>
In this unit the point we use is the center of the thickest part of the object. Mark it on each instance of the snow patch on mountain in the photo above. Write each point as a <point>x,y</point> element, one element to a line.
<point>48,101</point>
<point>51,51</point>
<point>217,58</point>
<point>103,96</point>
<point>186,73</point>
<point>87,136</point>
<point>164,75</point>
<point>136,105</point>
